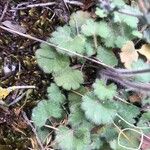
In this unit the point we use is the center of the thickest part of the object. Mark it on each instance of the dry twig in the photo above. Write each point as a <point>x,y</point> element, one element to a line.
<point>34,130</point>
<point>35,5</point>
<point>4,11</point>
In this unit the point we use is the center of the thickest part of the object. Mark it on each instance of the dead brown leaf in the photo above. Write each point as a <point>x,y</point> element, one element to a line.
<point>128,54</point>
<point>145,50</point>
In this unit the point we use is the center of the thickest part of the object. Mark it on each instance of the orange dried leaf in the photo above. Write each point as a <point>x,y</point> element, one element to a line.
<point>128,54</point>
<point>145,50</point>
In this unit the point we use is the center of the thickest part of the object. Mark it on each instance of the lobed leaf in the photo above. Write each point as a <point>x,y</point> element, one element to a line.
<point>68,78</point>
<point>99,113</point>
<point>78,18</point>
<point>103,91</point>
<point>64,38</point>
<point>44,110</point>
<point>68,139</point>
<point>55,95</point>
<point>129,20</point>
<point>49,60</point>
<point>77,118</point>
<point>106,56</point>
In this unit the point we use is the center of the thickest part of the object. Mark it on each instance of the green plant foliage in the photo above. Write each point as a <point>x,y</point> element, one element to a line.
<point>54,94</point>
<point>118,3</point>
<point>96,28</point>
<point>131,140</point>
<point>89,47</point>
<point>64,38</point>
<point>71,140</point>
<point>96,143</point>
<point>140,64</point>
<point>42,133</point>
<point>77,118</point>
<point>129,20</point>
<point>106,56</point>
<point>78,18</point>
<point>109,132</point>
<point>127,111</point>
<point>144,119</point>
<point>99,113</point>
<point>100,12</point>
<point>119,35</point>
<point>44,110</point>
<point>49,108</point>
<point>75,97</point>
<point>49,60</point>
<point>68,78</point>
<point>90,28</point>
<point>93,112</point>
<point>103,91</point>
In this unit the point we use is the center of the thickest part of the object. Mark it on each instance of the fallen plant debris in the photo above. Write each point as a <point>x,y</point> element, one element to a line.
<point>91,89</point>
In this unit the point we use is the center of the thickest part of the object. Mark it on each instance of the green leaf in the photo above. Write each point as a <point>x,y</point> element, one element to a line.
<point>106,56</point>
<point>99,113</point>
<point>90,27</point>
<point>68,139</point>
<point>119,34</point>
<point>77,118</point>
<point>137,33</point>
<point>69,78</point>
<point>64,138</point>
<point>75,97</point>
<point>127,111</point>
<point>96,142</point>
<point>140,64</point>
<point>100,12</point>
<point>96,28</point>
<point>42,133</point>
<point>118,3</point>
<point>103,91</point>
<point>44,110</point>
<point>129,20</point>
<point>49,60</point>
<point>120,41</point>
<point>131,140</point>
<point>66,39</point>
<point>89,47</point>
<point>103,29</point>
<point>144,120</point>
<point>55,95</point>
<point>109,132</point>
<point>78,18</point>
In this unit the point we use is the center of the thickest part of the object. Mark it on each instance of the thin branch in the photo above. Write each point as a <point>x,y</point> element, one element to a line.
<point>35,5</point>
<point>4,11</point>
<point>17,99</point>
<point>125,72</point>
<point>120,99</point>
<point>129,14</point>
<point>55,46</point>
<point>134,86</point>
<point>21,87</point>
<point>74,3</point>
<point>51,127</point>
<point>33,129</point>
